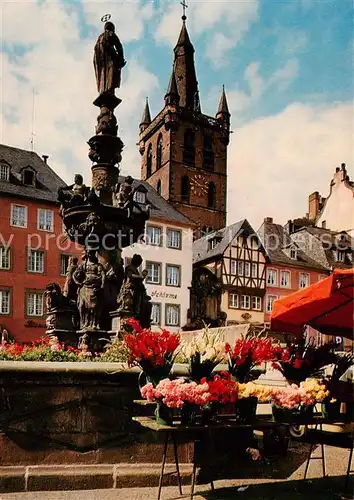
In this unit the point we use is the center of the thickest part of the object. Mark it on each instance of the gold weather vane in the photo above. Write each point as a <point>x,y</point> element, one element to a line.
<point>185,6</point>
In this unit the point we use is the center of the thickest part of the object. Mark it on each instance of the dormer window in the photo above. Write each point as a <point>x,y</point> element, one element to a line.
<point>293,253</point>
<point>29,176</point>
<point>140,197</point>
<point>4,172</point>
<point>212,243</point>
<point>340,256</point>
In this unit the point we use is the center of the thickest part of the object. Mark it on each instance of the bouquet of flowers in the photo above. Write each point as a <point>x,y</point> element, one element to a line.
<point>263,393</point>
<point>179,392</point>
<point>249,352</point>
<point>204,353</point>
<point>308,393</point>
<point>154,352</point>
<point>302,360</point>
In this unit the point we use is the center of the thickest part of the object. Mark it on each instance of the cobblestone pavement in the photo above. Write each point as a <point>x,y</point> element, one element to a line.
<point>292,488</point>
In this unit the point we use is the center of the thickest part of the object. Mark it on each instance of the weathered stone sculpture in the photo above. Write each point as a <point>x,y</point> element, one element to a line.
<point>108,60</point>
<point>133,299</point>
<point>62,314</point>
<point>90,277</point>
<point>70,287</point>
<point>123,193</point>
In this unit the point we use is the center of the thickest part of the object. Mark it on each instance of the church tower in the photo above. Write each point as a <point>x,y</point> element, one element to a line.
<point>184,152</point>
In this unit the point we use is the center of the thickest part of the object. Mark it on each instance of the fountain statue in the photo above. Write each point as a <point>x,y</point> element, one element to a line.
<point>103,219</point>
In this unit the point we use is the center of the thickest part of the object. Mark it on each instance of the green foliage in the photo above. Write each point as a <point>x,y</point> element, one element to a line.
<point>115,352</point>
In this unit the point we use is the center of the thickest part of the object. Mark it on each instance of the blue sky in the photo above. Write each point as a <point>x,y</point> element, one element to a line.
<point>287,67</point>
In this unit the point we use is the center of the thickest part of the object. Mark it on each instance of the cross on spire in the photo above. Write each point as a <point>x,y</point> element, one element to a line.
<point>184,6</point>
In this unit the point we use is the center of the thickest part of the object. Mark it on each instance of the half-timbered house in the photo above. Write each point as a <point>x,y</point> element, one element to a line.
<point>229,277</point>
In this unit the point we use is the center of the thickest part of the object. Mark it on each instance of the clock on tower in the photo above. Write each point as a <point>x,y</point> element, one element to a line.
<point>199,184</point>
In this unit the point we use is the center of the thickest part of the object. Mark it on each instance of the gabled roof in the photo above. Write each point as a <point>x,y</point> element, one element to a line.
<point>331,242</point>
<point>47,181</point>
<point>278,243</point>
<point>203,252</point>
<point>160,208</point>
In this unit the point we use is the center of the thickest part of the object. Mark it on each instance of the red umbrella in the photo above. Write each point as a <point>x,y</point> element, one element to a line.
<point>327,306</point>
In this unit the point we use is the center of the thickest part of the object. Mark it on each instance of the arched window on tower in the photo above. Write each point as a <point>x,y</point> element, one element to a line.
<point>149,161</point>
<point>208,153</point>
<point>211,195</point>
<point>189,148</point>
<point>159,153</point>
<point>158,187</point>
<point>185,188</point>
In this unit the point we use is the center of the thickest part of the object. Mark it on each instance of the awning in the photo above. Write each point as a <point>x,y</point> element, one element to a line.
<point>327,306</point>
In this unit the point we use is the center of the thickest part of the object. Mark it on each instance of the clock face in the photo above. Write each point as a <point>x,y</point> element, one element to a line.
<point>198,184</point>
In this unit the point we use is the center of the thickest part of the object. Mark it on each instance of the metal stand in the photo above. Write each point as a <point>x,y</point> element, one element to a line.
<point>169,435</point>
<point>321,457</point>
<point>349,470</point>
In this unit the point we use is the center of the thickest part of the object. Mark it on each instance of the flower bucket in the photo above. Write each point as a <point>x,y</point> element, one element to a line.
<point>292,416</point>
<point>331,410</point>
<point>246,409</point>
<point>163,414</point>
<point>188,414</point>
<point>209,414</point>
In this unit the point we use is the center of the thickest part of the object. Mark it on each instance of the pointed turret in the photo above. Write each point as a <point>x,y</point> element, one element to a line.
<point>184,69</point>
<point>172,96</point>
<point>146,118</point>
<point>223,109</point>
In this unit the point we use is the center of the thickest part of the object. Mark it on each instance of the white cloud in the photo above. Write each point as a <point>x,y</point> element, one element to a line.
<point>233,18</point>
<point>58,64</point>
<point>275,162</point>
<point>283,76</point>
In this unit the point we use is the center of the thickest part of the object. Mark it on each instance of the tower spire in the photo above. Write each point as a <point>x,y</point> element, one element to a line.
<point>223,108</point>
<point>184,68</point>
<point>172,96</point>
<point>146,118</point>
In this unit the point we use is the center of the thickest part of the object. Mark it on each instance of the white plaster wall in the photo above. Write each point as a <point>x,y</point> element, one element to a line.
<point>164,294</point>
<point>338,211</point>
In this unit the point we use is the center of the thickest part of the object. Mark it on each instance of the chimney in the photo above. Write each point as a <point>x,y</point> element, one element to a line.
<point>314,205</point>
<point>323,224</point>
<point>45,158</point>
<point>343,166</point>
<point>268,220</point>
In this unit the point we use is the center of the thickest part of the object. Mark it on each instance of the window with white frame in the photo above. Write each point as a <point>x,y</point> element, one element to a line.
<point>140,197</point>
<point>172,315</point>
<point>304,280</point>
<point>270,301</point>
<point>5,302</point>
<point>285,279</point>
<point>155,313</point>
<point>233,267</point>
<point>35,261</point>
<point>293,253</point>
<point>34,305</point>
<point>173,275</point>
<point>45,219</point>
<point>245,302</point>
<point>254,268</point>
<point>154,235</point>
<point>233,300</point>
<point>174,239</point>
<point>247,269</point>
<point>4,257</point>
<point>272,277</point>
<point>4,172</point>
<point>257,303</point>
<point>19,215</point>
<point>340,256</point>
<point>154,273</point>
<point>64,263</point>
<point>240,268</point>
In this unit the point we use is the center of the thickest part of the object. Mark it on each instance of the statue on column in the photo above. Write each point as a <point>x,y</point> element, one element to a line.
<point>108,60</point>
<point>70,287</point>
<point>90,278</point>
<point>133,297</point>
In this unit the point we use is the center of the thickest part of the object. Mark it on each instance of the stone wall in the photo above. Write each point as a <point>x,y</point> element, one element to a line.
<point>79,413</point>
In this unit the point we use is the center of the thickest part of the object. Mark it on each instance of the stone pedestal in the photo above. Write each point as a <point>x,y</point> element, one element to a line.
<point>63,324</point>
<point>119,321</point>
<point>97,339</point>
<point>69,337</point>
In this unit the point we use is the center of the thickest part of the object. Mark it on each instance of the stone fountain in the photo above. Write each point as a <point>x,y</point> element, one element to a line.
<point>99,293</point>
